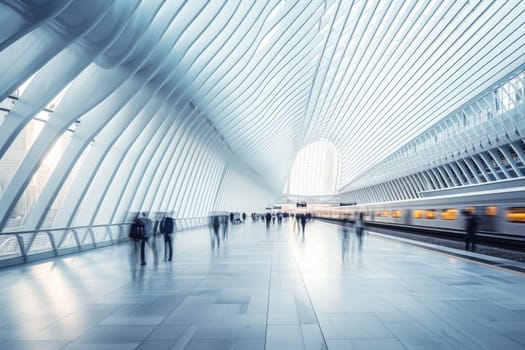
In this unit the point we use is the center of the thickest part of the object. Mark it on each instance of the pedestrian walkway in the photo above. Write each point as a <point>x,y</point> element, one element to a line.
<point>272,289</point>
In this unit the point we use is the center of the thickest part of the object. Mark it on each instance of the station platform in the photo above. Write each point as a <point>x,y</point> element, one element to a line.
<point>264,289</point>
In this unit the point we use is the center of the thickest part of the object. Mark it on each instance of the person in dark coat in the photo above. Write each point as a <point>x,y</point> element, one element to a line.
<point>268,219</point>
<point>303,222</point>
<point>166,228</point>
<point>359,229</point>
<point>148,232</point>
<point>215,225</point>
<point>471,226</point>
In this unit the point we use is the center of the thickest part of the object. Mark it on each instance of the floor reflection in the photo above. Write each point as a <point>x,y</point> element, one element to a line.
<point>272,288</point>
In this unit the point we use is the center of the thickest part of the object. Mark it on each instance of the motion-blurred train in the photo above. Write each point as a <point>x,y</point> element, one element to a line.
<point>499,211</point>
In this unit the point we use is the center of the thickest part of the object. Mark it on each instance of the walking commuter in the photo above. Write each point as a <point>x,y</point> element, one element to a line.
<point>345,238</point>
<point>243,217</point>
<point>166,228</point>
<point>148,232</point>
<point>268,219</point>
<point>303,222</point>
<point>224,222</point>
<point>359,228</point>
<point>136,234</point>
<point>471,226</point>
<point>156,225</point>
<point>215,226</point>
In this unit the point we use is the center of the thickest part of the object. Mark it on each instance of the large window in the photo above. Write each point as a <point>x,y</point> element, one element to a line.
<point>315,170</point>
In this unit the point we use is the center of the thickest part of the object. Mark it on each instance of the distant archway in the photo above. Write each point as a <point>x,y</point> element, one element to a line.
<point>315,170</point>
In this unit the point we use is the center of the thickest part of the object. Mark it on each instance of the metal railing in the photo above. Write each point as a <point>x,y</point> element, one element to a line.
<point>20,247</point>
<point>187,223</point>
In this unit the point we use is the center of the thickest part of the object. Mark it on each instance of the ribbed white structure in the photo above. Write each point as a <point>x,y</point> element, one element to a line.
<point>193,106</point>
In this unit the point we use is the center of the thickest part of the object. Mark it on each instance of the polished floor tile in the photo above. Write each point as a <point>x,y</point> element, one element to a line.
<point>263,289</point>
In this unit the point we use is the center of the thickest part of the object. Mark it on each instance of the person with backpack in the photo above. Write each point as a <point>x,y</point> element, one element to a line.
<point>136,233</point>
<point>166,228</point>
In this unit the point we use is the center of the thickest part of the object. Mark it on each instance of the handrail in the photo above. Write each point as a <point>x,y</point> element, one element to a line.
<point>19,247</point>
<point>89,226</point>
<point>60,229</point>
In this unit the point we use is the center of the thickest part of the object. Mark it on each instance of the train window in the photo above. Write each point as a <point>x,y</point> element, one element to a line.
<point>449,214</point>
<point>471,210</point>
<point>515,215</point>
<point>396,213</point>
<point>431,214</point>
<point>491,211</point>
<point>378,213</point>
<point>418,214</point>
<point>386,213</point>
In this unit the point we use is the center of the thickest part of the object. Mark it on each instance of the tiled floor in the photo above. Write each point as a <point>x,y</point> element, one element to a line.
<point>261,289</point>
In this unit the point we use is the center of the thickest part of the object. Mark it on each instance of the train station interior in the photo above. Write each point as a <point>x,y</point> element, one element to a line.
<point>274,174</point>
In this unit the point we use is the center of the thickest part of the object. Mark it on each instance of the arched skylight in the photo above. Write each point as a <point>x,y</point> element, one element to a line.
<point>315,170</point>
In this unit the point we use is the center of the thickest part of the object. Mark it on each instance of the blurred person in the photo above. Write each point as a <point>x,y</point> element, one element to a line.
<point>345,238</point>
<point>243,217</point>
<point>471,226</point>
<point>224,223</point>
<point>166,229</point>
<point>155,241</point>
<point>156,224</point>
<point>359,229</point>
<point>279,218</point>
<point>215,227</point>
<point>303,222</point>
<point>136,233</point>
<point>212,234</point>
<point>268,219</point>
<point>148,232</point>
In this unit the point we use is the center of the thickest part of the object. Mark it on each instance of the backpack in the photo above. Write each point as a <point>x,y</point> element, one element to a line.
<point>137,230</point>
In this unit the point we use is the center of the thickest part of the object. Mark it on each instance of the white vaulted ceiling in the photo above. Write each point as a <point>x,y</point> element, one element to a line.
<point>273,76</point>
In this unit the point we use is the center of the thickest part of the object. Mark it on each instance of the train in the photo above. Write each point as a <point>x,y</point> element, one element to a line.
<point>499,212</point>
